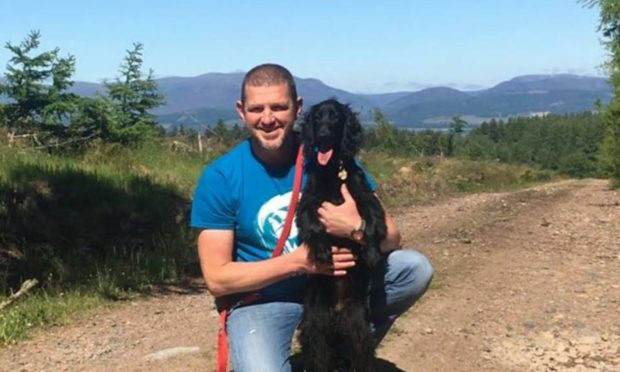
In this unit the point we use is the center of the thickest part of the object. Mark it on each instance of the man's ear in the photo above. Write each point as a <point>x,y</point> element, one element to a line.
<point>300,103</point>
<point>240,110</point>
<point>351,134</point>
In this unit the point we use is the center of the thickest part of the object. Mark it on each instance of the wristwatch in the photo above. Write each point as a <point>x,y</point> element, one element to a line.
<point>358,233</point>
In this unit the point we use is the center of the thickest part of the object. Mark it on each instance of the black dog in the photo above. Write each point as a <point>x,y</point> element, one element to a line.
<point>335,332</point>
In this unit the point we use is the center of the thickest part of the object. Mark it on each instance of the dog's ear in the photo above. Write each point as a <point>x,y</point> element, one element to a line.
<point>307,133</point>
<point>351,135</point>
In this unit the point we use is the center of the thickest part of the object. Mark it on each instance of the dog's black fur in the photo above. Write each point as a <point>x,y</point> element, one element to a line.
<point>335,332</point>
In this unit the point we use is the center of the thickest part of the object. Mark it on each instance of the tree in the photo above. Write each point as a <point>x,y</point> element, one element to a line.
<point>455,129</point>
<point>3,119</point>
<point>609,25</point>
<point>36,88</point>
<point>132,96</point>
<point>457,125</point>
<point>221,130</point>
<point>94,119</point>
<point>385,132</point>
<point>236,133</point>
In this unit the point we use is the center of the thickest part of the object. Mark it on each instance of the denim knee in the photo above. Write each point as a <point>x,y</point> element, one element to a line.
<point>408,271</point>
<point>403,280</point>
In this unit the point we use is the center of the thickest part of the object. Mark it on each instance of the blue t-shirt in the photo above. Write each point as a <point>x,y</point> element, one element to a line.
<point>237,192</point>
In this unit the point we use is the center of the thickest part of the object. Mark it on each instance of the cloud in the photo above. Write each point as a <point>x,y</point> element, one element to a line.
<point>598,71</point>
<point>464,86</point>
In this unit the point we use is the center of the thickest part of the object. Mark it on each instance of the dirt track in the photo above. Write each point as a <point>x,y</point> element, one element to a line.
<point>525,281</point>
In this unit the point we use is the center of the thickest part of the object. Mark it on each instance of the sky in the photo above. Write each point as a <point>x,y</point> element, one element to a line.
<point>361,46</point>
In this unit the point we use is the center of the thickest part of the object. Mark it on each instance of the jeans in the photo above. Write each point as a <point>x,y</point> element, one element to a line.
<point>260,334</point>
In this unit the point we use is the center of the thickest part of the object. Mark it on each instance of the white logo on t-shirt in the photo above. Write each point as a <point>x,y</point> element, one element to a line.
<point>270,220</point>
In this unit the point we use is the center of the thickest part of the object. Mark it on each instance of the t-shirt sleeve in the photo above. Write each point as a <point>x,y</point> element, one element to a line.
<point>369,180</point>
<point>213,204</point>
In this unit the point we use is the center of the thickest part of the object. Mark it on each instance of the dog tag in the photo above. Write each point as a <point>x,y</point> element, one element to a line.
<point>342,174</point>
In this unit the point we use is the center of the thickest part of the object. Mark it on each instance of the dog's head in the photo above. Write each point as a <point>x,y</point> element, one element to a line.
<point>330,130</point>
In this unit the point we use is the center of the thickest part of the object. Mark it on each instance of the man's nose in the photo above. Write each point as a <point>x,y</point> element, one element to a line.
<point>268,117</point>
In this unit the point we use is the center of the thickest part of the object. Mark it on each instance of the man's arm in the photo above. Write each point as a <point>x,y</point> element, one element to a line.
<point>392,239</point>
<point>224,276</point>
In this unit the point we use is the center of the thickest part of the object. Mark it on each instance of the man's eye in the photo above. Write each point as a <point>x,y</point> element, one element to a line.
<point>279,108</point>
<point>255,110</point>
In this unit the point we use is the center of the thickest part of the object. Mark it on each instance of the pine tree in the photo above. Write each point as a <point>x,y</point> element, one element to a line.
<point>221,130</point>
<point>384,131</point>
<point>133,95</point>
<point>455,129</point>
<point>236,133</point>
<point>609,24</point>
<point>36,87</point>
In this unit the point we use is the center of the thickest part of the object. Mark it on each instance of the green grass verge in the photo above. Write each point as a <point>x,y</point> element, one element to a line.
<point>407,181</point>
<point>41,309</point>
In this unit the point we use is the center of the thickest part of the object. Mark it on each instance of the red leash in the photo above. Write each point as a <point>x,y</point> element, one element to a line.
<point>223,305</point>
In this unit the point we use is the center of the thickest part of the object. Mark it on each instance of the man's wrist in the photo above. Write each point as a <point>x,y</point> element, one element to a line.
<point>359,232</point>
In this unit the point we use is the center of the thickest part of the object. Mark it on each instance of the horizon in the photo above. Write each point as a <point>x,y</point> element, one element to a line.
<point>376,48</point>
<point>386,92</point>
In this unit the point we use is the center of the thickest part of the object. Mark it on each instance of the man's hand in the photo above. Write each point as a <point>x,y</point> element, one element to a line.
<point>342,259</point>
<point>340,220</point>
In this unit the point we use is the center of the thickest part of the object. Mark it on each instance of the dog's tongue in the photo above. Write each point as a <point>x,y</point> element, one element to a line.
<point>323,157</point>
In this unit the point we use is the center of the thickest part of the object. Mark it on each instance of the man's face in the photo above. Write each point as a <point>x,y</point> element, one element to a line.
<point>269,114</point>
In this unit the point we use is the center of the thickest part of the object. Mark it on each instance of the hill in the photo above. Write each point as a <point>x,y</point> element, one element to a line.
<point>201,100</point>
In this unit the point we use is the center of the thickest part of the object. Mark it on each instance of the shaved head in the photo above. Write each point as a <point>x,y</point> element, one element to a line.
<point>269,74</point>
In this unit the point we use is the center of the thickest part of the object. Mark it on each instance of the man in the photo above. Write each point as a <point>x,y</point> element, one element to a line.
<point>240,205</point>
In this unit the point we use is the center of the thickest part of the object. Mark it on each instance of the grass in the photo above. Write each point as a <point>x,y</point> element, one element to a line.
<point>104,223</point>
<point>66,214</point>
<point>406,181</point>
<point>44,309</point>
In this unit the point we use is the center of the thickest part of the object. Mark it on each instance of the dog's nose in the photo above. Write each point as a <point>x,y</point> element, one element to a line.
<point>323,132</point>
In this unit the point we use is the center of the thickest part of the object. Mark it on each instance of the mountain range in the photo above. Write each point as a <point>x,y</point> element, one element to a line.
<point>201,100</point>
